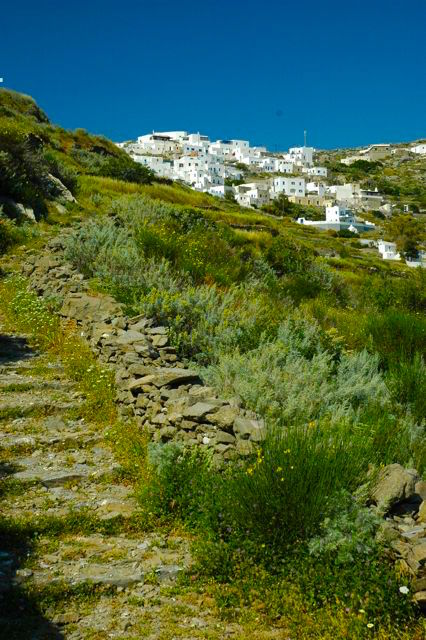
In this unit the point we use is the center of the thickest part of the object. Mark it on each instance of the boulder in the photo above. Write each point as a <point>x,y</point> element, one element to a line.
<point>59,190</point>
<point>393,485</point>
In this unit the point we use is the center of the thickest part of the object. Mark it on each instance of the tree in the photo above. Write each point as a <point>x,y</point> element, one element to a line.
<point>406,232</point>
<point>124,168</point>
<point>280,206</point>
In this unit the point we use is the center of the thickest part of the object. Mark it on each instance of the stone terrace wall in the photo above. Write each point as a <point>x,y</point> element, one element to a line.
<point>172,403</point>
<point>164,396</point>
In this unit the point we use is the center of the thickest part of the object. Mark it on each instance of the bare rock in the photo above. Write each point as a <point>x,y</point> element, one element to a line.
<point>393,485</point>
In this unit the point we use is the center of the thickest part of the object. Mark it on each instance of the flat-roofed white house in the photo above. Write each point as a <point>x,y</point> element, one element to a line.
<point>420,149</point>
<point>388,250</point>
<point>301,155</point>
<point>336,213</point>
<point>252,194</point>
<point>338,218</point>
<point>315,171</point>
<point>159,143</point>
<point>283,166</point>
<point>158,164</point>
<point>319,188</point>
<point>291,186</point>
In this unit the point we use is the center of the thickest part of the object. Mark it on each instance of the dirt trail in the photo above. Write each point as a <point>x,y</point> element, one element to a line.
<point>68,566</point>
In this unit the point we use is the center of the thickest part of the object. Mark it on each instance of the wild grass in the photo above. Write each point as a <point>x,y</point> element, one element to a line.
<point>27,313</point>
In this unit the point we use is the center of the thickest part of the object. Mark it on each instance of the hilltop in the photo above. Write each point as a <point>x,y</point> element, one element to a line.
<point>261,383</point>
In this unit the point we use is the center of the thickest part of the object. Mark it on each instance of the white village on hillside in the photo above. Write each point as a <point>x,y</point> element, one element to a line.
<point>213,167</point>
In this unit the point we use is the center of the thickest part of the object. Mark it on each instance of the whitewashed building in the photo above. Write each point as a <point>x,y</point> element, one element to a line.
<point>315,171</point>
<point>338,218</point>
<point>291,186</point>
<point>252,194</point>
<point>388,250</point>
<point>303,156</point>
<point>420,149</point>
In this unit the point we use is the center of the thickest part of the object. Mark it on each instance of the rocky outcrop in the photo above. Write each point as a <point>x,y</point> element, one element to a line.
<point>59,190</point>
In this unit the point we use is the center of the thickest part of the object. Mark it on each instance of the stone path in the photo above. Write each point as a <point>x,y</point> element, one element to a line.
<point>68,569</point>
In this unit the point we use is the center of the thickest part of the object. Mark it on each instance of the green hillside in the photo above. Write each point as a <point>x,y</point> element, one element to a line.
<point>312,332</point>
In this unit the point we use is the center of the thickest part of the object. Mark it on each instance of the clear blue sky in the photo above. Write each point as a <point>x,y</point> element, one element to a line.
<point>349,72</point>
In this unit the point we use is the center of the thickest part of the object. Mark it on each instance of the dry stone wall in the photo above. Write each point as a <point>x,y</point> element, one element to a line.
<point>172,403</point>
<point>167,398</point>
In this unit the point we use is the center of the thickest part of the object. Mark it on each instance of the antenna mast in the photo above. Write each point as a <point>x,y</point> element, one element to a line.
<point>304,137</point>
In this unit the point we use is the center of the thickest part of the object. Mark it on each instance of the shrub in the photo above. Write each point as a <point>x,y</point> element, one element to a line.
<point>349,533</point>
<point>407,383</point>
<point>294,379</point>
<point>124,168</point>
<point>395,335</point>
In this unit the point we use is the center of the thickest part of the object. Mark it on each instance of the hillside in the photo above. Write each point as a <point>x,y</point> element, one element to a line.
<point>262,385</point>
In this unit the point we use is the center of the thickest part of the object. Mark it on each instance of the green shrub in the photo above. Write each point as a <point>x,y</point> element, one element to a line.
<point>395,335</point>
<point>348,534</point>
<point>294,379</point>
<point>124,168</point>
<point>407,383</point>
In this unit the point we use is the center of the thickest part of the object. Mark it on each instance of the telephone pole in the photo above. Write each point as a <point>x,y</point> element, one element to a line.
<point>305,133</point>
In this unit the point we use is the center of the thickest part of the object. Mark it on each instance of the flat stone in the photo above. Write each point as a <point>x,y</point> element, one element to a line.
<point>419,584</point>
<point>224,417</point>
<point>122,575</point>
<point>161,377</point>
<point>248,429</point>
<point>418,551</point>
<point>412,534</point>
<point>160,341</point>
<point>158,331</point>
<point>199,410</point>
<point>420,599</point>
<point>52,478</point>
<point>222,437</point>
<point>130,337</point>
<point>115,509</point>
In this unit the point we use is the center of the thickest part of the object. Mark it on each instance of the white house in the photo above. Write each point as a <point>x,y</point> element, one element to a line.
<point>338,218</point>
<point>336,213</point>
<point>232,172</point>
<point>283,166</point>
<point>301,155</point>
<point>267,164</point>
<point>419,148</point>
<point>388,250</point>
<point>291,186</point>
<point>251,194</point>
<point>315,171</point>
<point>319,188</point>
<point>159,165</point>
<point>159,142</point>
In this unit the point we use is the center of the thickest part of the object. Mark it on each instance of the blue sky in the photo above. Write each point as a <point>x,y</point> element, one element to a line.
<point>350,73</point>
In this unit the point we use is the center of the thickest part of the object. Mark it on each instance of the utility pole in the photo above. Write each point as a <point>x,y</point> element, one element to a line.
<point>304,137</point>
